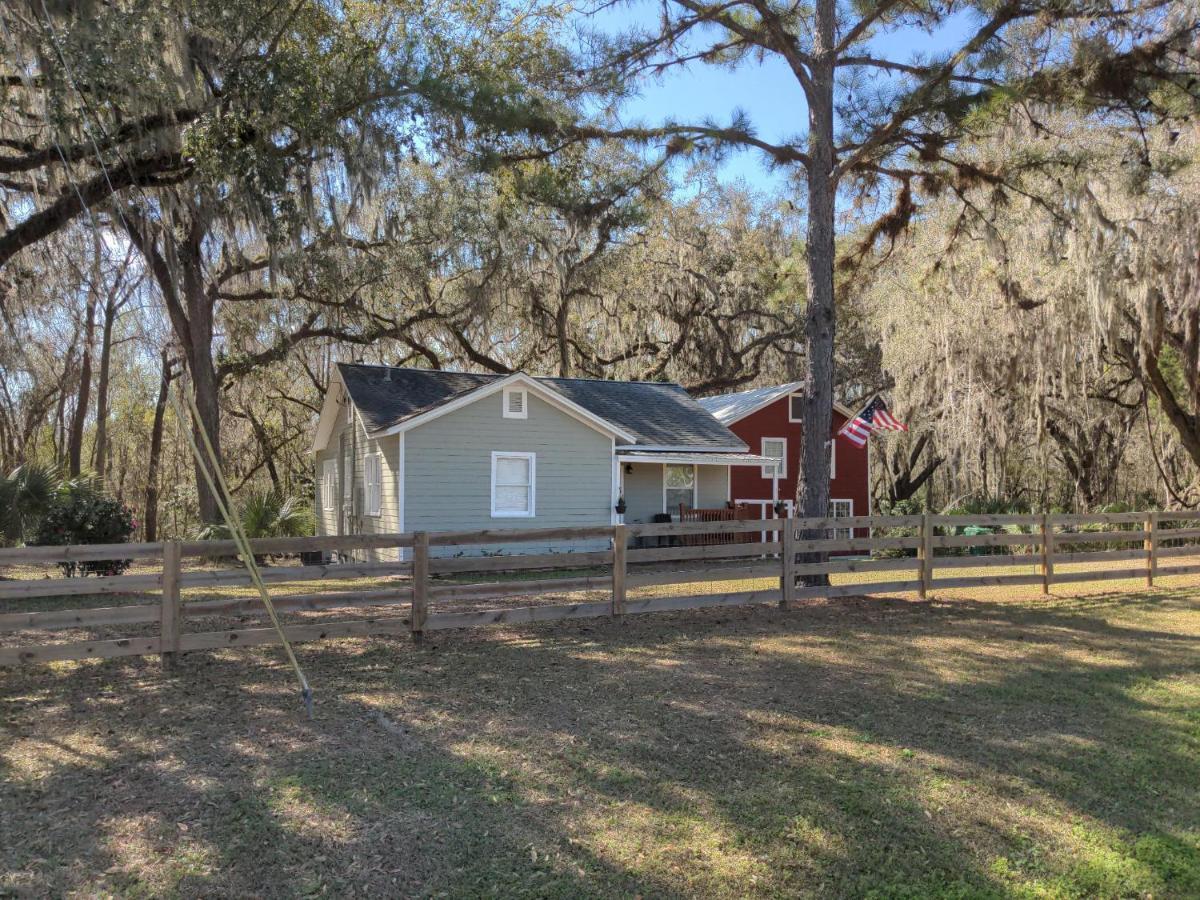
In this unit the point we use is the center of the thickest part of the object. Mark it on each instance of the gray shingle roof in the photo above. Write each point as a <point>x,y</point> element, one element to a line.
<point>658,414</point>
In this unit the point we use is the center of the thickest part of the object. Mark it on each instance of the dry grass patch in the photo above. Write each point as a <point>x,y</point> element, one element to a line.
<point>989,745</point>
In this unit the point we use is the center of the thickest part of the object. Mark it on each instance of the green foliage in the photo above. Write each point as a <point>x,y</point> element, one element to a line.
<point>267,513</point>
<point>79,513</point>
<point>25,496</point>
<point>989,506</point>
<point>910,507</point>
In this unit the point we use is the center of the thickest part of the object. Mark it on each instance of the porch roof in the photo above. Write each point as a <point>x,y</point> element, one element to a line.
<point>697,459</point>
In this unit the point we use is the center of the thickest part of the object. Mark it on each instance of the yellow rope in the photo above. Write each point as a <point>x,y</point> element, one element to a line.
<point>224,500</point>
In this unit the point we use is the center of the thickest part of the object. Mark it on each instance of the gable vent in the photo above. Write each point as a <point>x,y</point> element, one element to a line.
<point>514,404</point>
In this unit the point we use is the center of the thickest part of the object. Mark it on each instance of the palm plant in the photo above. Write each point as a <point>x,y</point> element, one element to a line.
<point>266,513</point>
<point>25,495</point>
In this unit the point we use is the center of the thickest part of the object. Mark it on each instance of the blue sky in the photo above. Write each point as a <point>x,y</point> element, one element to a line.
<point>767,92</point>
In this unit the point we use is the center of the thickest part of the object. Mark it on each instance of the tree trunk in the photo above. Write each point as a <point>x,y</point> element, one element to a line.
<point>150,517</point>
<point>191,317</point>
<point>83,396</point>
<point>906,480</point>
<point>561,320</point>
<point>60,414</point>
<point>100,454</point>
<point>199,348</point>
<point>812,487</point>
<point>1186,425</point>
<point>204,392</point>
<point>268,449</point>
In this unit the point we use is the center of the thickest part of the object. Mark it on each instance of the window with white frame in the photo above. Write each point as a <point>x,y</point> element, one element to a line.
<point>776,448</point>
<point>329,485</point>
<point>679,487</point>
<point>832,446</point>
<point>516,404</point>
<point>795,408</point>
<point>513,484</point>
<point>373,484</point>
<point>840,509</point>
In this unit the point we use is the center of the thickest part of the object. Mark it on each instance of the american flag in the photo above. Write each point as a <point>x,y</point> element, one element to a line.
<point>872,417</point>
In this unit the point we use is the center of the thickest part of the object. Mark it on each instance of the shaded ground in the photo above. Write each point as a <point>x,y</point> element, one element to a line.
<point>884,747</point>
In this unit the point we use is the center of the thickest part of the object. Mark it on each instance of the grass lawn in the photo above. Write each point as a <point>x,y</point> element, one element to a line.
<point>988,745</point>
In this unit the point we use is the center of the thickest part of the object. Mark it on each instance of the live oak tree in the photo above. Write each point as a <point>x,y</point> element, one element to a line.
<point>881,124</point>
<point>221,137</point>
<point>586,268</point>
<point>1046,329</point>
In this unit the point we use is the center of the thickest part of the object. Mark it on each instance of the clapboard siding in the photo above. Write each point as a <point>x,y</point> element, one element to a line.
<point>349,425</point>
<point>712,486</point>
<point>327,520</point>
<point>447,484</point>
<point>643,490</point>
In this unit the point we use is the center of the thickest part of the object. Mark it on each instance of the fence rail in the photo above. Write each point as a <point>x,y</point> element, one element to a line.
<point>428,568</point>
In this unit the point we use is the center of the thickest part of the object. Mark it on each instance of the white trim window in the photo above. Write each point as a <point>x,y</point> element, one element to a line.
<point>373,484</point>
<point>516,403</point>
<point>832,445</point>
<point>329,485</point>
<point>514,483</point>
<point>775,447</point>
<point>795,407</point>
<point>679,487</point>
<point>841,509</point>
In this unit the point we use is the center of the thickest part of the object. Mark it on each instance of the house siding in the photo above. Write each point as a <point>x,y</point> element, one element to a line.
<point>851,481</point>
<point>644,490</point>
<point>643,493</point>
<point>712,486</point>
<point>447,480</point>
<point>350,489</point>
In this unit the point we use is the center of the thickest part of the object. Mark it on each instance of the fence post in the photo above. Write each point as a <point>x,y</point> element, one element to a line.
<point>925,552</point>
<point>619,566</point>
<point>787,586</point>
<point>420,589</point>
<point>1047,554</point>
<point>169,625</point>
<point>1151,550</point>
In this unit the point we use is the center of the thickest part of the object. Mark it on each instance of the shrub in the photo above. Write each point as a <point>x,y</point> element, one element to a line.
<point>911,507</point>
<point>80,514</point>
<point>988,506</point>
<point>267,514</point>
<point>25,495</point>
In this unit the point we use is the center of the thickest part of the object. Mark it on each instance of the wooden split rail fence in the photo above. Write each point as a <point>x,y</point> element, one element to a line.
<point>425,579</point>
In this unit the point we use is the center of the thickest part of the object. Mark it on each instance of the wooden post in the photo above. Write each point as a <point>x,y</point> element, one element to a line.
<point>170,614</point>
<point>1151,552</point>
<point>1047,553</point>
<point>925,553</point>
<point>619,564</point>
<point>420,576</point>
<point>787,584</point>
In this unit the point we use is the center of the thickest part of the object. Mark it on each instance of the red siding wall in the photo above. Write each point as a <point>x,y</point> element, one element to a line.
<point>850,482</point>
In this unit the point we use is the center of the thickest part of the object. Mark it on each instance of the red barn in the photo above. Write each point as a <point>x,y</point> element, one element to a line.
<point>768,420</point>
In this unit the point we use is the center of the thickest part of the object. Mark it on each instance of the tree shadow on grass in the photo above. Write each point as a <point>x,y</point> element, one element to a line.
<point>958,749</point>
